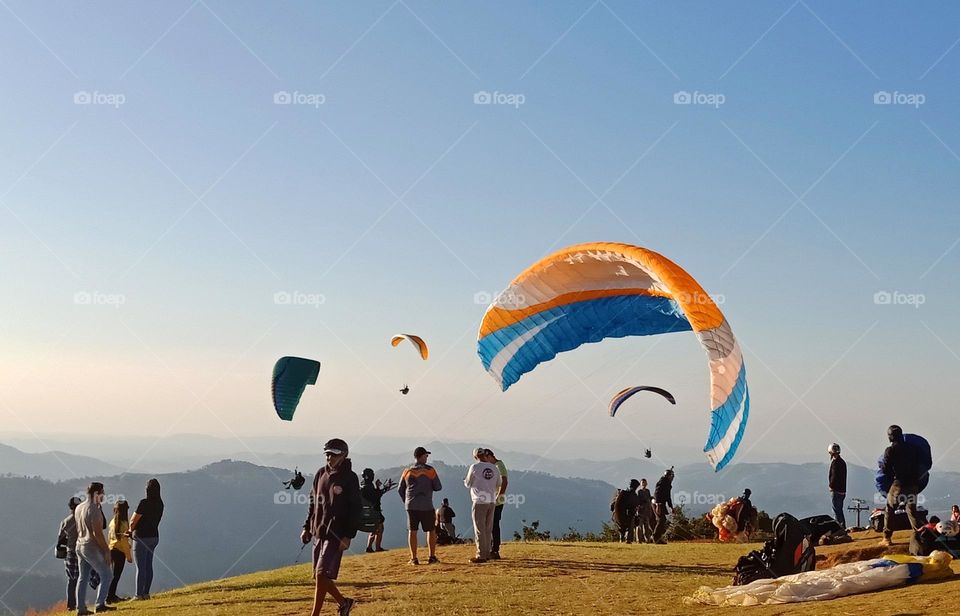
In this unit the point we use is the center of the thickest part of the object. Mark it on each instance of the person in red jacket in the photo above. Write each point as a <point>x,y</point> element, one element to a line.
<point>333,519</point>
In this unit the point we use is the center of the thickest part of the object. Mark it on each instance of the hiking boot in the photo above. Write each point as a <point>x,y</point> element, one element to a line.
<point>346,607</point>
<point>494,555</point>
<point>433,561</point>
<point>84,612</point>
<point>105,608</point>
<point>380,550</point>
<point>414,561</point>
<point>369,550</point>
<point>477,560</point>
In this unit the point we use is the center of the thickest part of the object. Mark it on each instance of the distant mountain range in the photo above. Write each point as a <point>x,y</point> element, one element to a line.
<point>234,516</point>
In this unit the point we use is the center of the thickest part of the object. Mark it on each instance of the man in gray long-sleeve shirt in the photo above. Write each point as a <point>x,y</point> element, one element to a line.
<point>416,488</point>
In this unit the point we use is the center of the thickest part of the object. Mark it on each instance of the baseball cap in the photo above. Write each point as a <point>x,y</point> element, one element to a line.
<point>336,446</point>
<point>420,451</point>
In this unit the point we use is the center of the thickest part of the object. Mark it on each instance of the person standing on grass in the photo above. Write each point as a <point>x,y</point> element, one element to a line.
<point>372,492</point>
<point>838,483</point>
<point>417,485</point>
<point>624,508</point>
<point>662,505</point>
<point>120,550</point>
<point>93,552</point>
<point>644,530</point>
<point>501,501</point>
<point>333,519</point>
<point>145,530</point>
<point>483,479</point>
<point>900,466</point>
<point>67,540</point>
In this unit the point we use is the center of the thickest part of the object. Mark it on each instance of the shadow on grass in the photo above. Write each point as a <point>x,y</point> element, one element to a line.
<point>573,565</point>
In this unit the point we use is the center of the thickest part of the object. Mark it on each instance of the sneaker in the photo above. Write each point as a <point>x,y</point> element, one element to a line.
<point>105,608</point>
<point>369,550</point>
<point>380,550</point>
<point>346,607</point>
<point>433,561</point>
<point>84,612</point>
<point>414,561</point>
<point>885,542</point>
<point>494,555</point>
<point>477,560</point>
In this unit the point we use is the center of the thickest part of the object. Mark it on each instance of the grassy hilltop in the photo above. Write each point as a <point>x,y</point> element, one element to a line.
<point>538,578</point>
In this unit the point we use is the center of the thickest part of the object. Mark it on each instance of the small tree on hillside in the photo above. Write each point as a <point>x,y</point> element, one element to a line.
<point>531,532</point>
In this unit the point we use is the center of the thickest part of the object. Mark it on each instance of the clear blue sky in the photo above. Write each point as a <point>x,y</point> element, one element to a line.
<point>144,236</point>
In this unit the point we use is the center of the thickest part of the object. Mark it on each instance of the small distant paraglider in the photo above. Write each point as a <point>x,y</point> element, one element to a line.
<point>625,394</point>
<point>416,341</point>
<point>647,453</point>
<point>297,481</point>
<point>291,375</point>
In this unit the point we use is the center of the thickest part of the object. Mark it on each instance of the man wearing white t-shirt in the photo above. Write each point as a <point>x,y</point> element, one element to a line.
<point>483,479</point>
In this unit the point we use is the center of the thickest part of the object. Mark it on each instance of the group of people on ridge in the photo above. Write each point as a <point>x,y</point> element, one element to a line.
<point>640,516</point>
<point>95,559</point>
<point>336,502</point>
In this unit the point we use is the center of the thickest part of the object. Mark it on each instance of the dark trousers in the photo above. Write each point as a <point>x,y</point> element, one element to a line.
<point>662,522</point>
<point>837,498</point>
<point>497,514</point>
<point>900,494</point>
<point>118,560</point>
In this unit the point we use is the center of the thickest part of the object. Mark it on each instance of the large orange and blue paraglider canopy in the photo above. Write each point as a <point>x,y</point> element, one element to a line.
<point>291,375</point>
<point>590,292</point>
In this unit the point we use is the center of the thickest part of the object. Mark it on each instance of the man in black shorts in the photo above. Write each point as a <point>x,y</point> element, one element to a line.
<point>417,485</point>
<point>332,521</point>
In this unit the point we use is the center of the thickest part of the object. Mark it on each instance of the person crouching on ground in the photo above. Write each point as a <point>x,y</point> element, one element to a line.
<point>333,519</point>
<point>483,479</point>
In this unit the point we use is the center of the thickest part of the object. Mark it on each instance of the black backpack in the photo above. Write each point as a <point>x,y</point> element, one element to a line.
<point>791,550</point>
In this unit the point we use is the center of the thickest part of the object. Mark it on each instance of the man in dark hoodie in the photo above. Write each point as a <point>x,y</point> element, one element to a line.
<point>332,521</point>
<point>900,464</point>
<point>663,501</point>
<point>838,483</point>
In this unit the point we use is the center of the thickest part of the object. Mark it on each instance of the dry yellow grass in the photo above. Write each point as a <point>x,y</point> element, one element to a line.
<point>536,578</point>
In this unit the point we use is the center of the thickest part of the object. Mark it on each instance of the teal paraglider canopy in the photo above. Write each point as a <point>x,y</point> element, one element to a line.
<point>291,375</point>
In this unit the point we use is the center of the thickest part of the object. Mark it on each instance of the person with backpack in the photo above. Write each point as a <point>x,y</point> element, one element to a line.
<point>371,494</point>
<point>483,479</point>
<point>900,466</point>
<point>93,552</point>
<point>837,480</point>
<point>333,520</point>
<point>67,550</point>
<point>417,485</point>
<point>121,551</point>
<point>145,530</point>
<point>662,505</point>
<point>624,508</point>
<point>445,515</point>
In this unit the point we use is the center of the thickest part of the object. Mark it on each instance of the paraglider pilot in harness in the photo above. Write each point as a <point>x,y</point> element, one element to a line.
<point>297,482</point>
